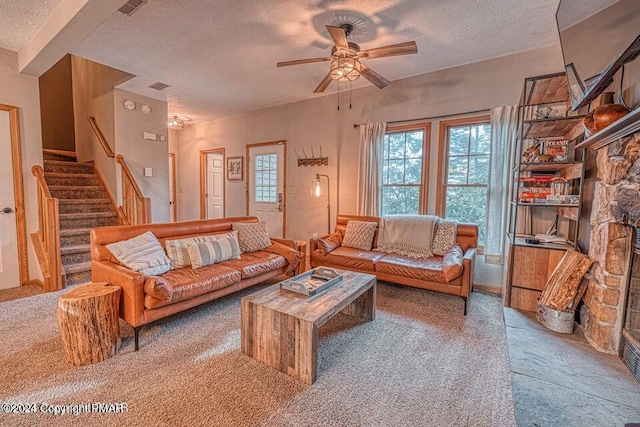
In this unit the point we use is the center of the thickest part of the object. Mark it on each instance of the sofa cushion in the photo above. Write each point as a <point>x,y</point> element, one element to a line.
<point>330,242</point>
<point>348,257</point>
<point>435,269</point>
<point>359,234</point>
<point>179,255</point>
<point>444,237</point>
<point>207,253</point>
<point>253,236</point>
<point>142,253</point>
<point>184,283</point>
<point>256,263</point>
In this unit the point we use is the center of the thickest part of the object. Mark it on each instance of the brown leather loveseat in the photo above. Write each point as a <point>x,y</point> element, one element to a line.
<point>146,299</point>
<point>448,274</point>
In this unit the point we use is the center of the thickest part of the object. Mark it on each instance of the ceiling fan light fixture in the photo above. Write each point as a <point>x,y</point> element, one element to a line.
<point>345,68</point>
<point>176,122</point>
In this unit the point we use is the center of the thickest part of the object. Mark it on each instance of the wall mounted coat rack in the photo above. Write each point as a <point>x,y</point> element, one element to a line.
<point>313,160</point>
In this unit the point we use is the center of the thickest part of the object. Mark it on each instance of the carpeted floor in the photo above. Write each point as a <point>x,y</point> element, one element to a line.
<point>419,363</point>
<point>19,292</point>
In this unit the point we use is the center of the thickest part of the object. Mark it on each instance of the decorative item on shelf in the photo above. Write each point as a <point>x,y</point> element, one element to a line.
<point>534,189</point>
<point>316,187</point>
<point>235,168</point>
<point>557,149</point>
<point>548,112</point>
<point>313,160</point>
<point>533,154</point>
<point>604,113</point>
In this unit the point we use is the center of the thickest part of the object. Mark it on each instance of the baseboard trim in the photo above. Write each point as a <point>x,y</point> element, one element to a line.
<point>36,282</point>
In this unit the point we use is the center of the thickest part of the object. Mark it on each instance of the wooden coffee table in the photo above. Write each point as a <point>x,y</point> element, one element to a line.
<point>280,328</point>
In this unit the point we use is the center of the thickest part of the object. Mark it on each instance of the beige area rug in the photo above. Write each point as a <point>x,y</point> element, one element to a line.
<point>419,363</point>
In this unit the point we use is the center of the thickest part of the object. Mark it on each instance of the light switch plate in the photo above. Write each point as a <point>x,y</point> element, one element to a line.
<point>150,136</point>
<point>148,172</point>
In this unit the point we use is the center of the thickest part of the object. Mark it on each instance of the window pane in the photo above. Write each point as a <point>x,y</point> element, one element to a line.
<point>258,194</point>
<point>458,140</point>
<point>396,172</point>
<point>414,144</point>
<point>481,139</point>
<point>413,171</point>
<point>385,152</point>
<point>385,172</point>
<point>468,204</point>
<point>457,173</point>
<point>478,169</point>
<point>396,145</point>
<point>400,200</point>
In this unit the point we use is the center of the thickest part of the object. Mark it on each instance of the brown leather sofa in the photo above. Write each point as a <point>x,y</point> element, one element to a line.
<point>146,299</point>
<point>450,274</point>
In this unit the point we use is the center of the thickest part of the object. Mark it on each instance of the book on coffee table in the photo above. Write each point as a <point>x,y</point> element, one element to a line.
<point>312,281</point>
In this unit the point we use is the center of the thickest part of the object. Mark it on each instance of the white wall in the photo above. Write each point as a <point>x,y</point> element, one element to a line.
<point>22,91</point>
<point>130,126</point>
<point>317,123</point>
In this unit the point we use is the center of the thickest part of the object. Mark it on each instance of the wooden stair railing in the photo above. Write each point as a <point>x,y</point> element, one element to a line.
<point>136,207</point>
<point>47,239</point>
<point>100,136</point>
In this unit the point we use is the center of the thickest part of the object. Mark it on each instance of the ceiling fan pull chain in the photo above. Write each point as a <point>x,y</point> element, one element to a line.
<point>349,95</point>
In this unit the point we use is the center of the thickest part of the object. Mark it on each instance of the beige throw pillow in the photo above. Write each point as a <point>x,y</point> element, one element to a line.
<point>179,255</point>
<point>142,253</point>
<point>359,234</point>
<point>252,236</point>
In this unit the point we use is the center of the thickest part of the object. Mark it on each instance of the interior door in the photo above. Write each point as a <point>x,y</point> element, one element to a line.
<point>9,262</point>
<point>215,185</point>
<point>266,183</point>
<point>173,207</point>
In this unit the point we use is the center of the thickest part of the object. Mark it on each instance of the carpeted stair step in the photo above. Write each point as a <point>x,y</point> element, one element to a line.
<point>72,179</point>
<point>78,274</point>
<point>46,155</point>
<point>74,237</point>
<point>67,167</point>
<point>75,254</point>
<point>68,206</point>
<point>88,220</point>
<point>79,192</point>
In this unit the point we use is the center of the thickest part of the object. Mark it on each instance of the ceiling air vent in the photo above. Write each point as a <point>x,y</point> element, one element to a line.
<point>132,6</point>
<point>159,86</point>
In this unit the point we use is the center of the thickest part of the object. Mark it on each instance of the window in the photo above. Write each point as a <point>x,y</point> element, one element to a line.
<point>266,177</point>
<point>465,171</point>
<point>404,169</point>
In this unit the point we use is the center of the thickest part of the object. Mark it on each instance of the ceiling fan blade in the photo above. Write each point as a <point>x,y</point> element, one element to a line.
<point>391,50</point>
<point>324,84</point>
<point>302,61</point>
<point>338,36</point>
<point>374,77</point>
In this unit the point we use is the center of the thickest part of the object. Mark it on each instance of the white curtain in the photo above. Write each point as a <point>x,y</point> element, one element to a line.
<point>370,168</point>
<point>504,128</point>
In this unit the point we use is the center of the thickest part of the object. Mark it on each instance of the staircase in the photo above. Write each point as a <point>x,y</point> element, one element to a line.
<point>84,204</point>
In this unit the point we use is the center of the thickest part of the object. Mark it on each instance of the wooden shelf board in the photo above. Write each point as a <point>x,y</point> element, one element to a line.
<point>625,126</point>
<point>551,128</point>
<point>547,167</point>
<point>546,89</point>
<point>519,241</point>
<point>550,205</point>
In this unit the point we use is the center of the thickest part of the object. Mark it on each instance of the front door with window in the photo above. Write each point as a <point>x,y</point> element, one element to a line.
<point>265,185</point>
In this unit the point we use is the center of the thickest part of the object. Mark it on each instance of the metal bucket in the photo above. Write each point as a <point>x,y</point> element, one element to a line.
<point>557,321</point>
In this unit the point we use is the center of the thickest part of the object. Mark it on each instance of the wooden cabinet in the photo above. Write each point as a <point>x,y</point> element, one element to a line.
<point>547,180</point>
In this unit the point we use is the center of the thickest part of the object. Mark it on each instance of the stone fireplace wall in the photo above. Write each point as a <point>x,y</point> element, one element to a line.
<point>615,211</point>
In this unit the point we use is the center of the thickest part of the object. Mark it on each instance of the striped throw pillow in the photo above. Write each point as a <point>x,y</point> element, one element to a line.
<point>213,252</point>
<point>253,236</point>
<point>143,254</point>
<point>179,255</point>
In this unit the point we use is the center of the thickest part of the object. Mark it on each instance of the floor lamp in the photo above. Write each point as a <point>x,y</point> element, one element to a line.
<point>317,191</point>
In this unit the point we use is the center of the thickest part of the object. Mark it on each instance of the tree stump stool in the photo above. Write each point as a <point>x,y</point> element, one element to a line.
<point>89,323</point>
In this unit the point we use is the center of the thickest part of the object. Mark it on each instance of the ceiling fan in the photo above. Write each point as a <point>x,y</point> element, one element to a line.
<point>346,59</point>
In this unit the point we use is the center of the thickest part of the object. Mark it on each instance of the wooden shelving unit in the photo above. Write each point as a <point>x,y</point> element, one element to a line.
<point>529,265</point>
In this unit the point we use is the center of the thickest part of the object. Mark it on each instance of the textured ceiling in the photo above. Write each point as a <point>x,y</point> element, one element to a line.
<point>20,19</point>
<point>220,56</point>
